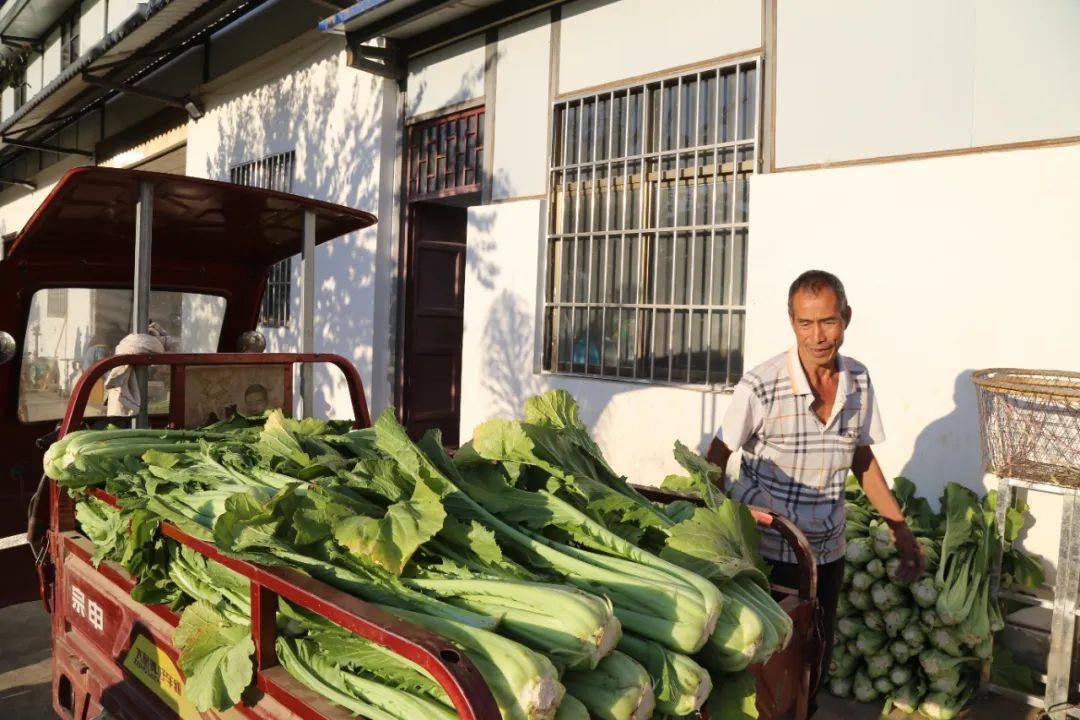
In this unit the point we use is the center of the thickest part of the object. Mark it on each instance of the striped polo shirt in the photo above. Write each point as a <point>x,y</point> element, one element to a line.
<point>792,463</point>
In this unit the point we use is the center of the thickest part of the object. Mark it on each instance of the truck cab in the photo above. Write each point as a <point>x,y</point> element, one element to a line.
<point>69,284</point>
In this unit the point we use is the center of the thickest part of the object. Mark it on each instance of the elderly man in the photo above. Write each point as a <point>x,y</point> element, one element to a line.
<point>804,420</point>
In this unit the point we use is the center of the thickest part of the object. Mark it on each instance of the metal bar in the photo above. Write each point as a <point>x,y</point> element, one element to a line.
<point>140,299</point>
<point>674,236</point>
<point>1063,624</point>
<point>1032,700</point>
<point>692,268</point>
<point>491,70</point>
<point>656,235</point>
<point>307,314</point>
<point>1038,486</point>
<point>193,109</point>
<point>1027,599</point>
<point>666,228</point>
<point>731,245</point>
<point>46,147</point>
<point>1004,502</point>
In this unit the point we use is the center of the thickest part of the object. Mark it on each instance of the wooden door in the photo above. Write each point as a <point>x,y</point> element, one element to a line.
<point>433,327</point>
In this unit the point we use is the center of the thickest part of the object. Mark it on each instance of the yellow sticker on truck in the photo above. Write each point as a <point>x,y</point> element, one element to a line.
<point>153,668</point>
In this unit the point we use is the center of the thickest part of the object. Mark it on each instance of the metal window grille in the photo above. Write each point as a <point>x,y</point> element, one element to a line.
<point>69,39</point>
<point>56,303</point>
<point>444,155</point>
<point>648,226</point>
<point>273,173</point>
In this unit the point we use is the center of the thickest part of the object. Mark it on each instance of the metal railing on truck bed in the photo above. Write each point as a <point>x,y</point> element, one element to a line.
<point>111,652</point>
<point>95,632</point>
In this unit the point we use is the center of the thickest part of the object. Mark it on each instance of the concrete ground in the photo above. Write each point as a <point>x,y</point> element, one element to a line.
<point>25,669</point>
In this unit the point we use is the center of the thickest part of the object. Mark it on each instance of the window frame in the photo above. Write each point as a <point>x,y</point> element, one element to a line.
<point>272,172</point>
<point>20,387</point>
<point>70,37</point>
<point>56,302</point>
<point>650,151</point>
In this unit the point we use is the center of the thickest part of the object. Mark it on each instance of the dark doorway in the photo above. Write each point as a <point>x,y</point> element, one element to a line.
<point>433,327</point>
<point>443,159</point>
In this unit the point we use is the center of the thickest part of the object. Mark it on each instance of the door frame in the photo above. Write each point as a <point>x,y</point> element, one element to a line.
<point>413,158</point>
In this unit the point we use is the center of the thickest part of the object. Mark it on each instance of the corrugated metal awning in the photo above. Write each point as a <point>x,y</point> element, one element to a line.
<point>30,19</point>
<point>399,19</point>
<point>140,45</point>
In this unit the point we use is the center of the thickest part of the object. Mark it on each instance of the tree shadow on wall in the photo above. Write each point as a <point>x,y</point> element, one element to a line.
<point>333,118</point>
<point>508,378</point>
<point>948,448</point>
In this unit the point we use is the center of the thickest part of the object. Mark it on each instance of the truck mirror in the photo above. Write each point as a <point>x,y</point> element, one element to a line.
<point>8,347</point>
<point>251,341</point>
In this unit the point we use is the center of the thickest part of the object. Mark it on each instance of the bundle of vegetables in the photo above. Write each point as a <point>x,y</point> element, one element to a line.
<point>572,594</point>
<point>921,646</point>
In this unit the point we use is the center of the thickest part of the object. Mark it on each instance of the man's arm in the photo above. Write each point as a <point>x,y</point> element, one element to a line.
<point>867,471</point>
<point>718,455</point>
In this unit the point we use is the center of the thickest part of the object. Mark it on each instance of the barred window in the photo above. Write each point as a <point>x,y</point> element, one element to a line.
<point>272,173</point>
<point>647,229</point>
<point>56,303</point>
<point>69,39</point>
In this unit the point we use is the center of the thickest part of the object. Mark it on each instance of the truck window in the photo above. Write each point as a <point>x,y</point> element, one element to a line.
<point>69,329</point>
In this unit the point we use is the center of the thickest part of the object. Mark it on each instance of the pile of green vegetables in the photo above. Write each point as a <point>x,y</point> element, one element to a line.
<point>573,595</point>
<point>921,647</point>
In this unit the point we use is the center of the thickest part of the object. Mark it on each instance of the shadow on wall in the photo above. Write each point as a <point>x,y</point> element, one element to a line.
<point>479,249</point>
<point>508,378</point>
<point>951,442</point>
<point>331,116</point>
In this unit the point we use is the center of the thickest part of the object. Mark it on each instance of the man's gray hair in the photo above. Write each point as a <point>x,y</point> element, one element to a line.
<point>814,281</point>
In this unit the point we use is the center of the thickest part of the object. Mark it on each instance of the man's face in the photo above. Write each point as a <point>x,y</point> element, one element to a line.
<point>818,325</point>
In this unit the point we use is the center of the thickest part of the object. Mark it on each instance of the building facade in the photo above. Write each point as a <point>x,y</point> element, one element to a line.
<point>611,196</point>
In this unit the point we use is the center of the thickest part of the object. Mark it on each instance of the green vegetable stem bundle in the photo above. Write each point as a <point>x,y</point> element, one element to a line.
<point>572,594</point>
<point>920,647</point>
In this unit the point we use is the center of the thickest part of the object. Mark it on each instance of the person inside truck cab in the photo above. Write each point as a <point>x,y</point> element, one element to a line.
<point>122,395</point>
<point>804,420</point>
<point>256,399</point>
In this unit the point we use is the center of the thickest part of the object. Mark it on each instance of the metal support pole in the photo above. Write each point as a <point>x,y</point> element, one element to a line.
<point>1004,502</point>
<point>1063,625</point>
<point>140,303</point>
<point>307,314</point>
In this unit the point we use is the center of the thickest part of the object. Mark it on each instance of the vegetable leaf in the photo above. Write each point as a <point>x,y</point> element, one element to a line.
<point>717,542</point>
<point>391,540</point>
<point>215,657</point>
<point>735,698</point>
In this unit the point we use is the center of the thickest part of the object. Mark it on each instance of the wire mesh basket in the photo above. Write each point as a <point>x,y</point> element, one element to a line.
<point>1030,423</point>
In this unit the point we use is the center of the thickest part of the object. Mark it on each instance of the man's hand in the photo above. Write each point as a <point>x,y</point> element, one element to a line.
<point>912,561</point>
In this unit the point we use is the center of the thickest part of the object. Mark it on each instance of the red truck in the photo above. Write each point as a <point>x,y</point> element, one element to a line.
<point>112,249</point>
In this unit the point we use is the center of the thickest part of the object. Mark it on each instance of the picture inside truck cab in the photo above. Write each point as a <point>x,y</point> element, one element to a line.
<point>70,329</point>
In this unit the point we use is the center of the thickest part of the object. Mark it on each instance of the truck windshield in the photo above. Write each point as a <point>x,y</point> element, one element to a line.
<point>69,329</point>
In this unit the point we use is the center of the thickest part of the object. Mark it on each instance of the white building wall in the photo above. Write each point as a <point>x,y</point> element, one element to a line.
<point>119,11</point>
<point>51,65</point>
<point>449,76</point>
<point>91,23</point>
<point>866,80</point>
<point>252,113</point>
<point>7,103</point>
<point>34,74</point>
<point>521,109</point>
<point>636,425</point>
<point>1027,69</point>
<point>948,270</point>
<point>604,41</point>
